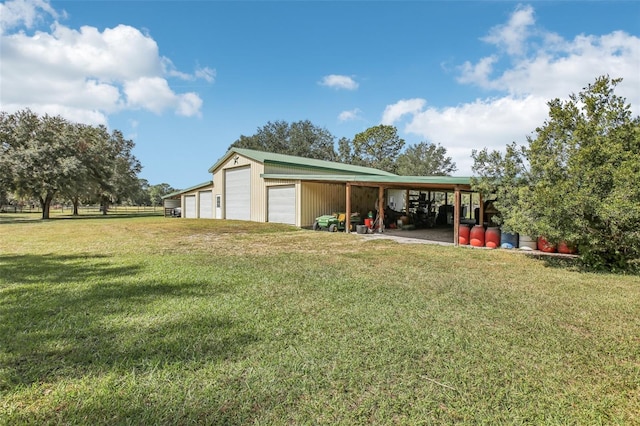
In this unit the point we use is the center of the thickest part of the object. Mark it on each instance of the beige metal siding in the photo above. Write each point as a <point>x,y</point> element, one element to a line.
<point>312,199</point>
<point>258,188</point>
<point>321,198</point>
<point>318,199</point>
<point>258,194</point>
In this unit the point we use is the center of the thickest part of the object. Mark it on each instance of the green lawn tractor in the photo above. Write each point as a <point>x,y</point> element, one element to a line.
<point>336,222</point>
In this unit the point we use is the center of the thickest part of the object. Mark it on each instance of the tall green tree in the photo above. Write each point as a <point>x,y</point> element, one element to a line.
<point>122,168</point>
<point>36,156</point>
<point>141,196</point>
<point>425,159</point>
<point>156,192</point>
<point>46,157</point>
<point>376,147</point>
<point>576,179</point>
<point>91,145</point>
<point>345,150</point>
<point>301,138</point>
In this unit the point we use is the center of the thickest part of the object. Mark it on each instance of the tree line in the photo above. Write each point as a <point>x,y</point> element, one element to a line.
<point>43,158</point>
<point>379,147</point>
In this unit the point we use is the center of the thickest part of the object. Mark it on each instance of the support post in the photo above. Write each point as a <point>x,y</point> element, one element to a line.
<point>456,216</point>
<point>406,202</point>
<point>481,214</point>
<point>347,219</point>
<point>380,209</point>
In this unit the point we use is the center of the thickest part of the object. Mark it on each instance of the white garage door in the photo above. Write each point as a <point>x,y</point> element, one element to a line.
<point>206,204</point>
<point>282,204</point>
<point>238,193</point>
<point>190,207</point>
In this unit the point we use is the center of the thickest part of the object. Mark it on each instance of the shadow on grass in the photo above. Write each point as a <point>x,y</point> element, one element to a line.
<point>80,316</point>
<point>10,218</point>
<point>55,269</point>
<point>560,262</point>
<point>108,216</point>
<point>575,264</point>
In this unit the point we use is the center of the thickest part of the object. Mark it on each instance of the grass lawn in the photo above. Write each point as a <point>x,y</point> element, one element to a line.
<point>151,320</point>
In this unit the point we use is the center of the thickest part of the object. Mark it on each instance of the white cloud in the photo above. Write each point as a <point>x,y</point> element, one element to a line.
<point>85,74</point>
<point>152,93</point>
<point>189,105</point>
<point>393,113</point>
<point>206,73</point>
<point>339,82</point>
<point>555,68</point>
<point>479,73</point>
<point>513,35</point>
<point>491,123</point>
<point>25,13</point>
<point>351,115</point>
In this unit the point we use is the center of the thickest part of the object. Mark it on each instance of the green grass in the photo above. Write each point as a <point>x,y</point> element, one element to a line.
<point>151,320</point>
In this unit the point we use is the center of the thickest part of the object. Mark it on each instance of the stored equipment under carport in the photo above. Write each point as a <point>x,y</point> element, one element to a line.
<point>336,222</point>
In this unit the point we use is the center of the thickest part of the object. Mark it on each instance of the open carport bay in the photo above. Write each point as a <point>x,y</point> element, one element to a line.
<point>436,235</point>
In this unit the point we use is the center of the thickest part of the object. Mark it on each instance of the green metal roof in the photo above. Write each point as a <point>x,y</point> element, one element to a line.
<point>389,180</point>
<point>191,188</point>
<point>291,160</point>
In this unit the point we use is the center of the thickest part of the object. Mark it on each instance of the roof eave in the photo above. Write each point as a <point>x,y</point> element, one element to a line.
<point>191,188</point>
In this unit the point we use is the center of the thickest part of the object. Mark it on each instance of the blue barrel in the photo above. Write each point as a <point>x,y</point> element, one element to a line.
<point>508,240</point>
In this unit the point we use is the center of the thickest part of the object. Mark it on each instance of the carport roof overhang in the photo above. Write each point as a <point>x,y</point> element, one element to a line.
<point>177,194</point>
<point>454,184</point>
<point>442,183</point>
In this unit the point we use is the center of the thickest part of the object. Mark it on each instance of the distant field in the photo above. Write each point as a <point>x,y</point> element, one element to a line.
<point>137,319</point>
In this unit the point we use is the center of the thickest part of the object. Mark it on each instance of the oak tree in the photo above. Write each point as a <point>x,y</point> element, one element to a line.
<point>576,179</point>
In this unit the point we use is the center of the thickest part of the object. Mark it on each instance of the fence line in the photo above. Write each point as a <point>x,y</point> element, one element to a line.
<point>87,209</point>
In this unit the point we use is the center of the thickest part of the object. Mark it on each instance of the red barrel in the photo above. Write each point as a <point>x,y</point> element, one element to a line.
<point>463,238</point>
<point>477,236</point>
<point>546,246</point>
<point>492,237</point>
<point>566,248</point>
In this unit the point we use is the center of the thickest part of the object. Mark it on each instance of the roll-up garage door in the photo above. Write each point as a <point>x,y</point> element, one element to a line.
<point>282,204</point>
<point>206,204</point>
<point>238,193</point>
<point>190,207</point>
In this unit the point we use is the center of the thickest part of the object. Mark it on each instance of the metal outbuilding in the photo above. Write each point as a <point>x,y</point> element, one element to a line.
<point>267,187</point>
<point>195,202</point>
<point>258,186</point>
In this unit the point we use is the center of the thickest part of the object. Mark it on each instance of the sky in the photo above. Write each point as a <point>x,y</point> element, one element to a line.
<point>185,79</point>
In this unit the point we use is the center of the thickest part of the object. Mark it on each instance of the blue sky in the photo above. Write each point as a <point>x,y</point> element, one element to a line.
<point>184,79</point>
